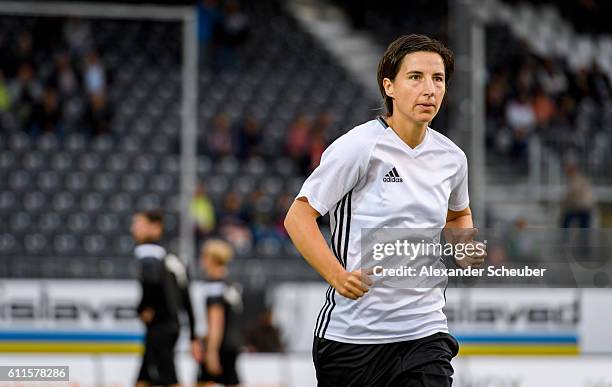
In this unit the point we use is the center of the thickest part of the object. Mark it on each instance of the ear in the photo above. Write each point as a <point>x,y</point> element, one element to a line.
<point>388,86</point>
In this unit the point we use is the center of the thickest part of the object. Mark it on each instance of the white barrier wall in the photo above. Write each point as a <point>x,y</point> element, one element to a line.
<point>91,326</point>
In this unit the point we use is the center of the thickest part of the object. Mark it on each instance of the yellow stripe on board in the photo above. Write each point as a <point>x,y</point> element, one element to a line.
<point>42,347</point>
<point>518,350</point>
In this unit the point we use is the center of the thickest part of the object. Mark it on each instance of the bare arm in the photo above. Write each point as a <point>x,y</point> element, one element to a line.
<point>216,323</point>
<point>301,224</point>
<point>460,229</point>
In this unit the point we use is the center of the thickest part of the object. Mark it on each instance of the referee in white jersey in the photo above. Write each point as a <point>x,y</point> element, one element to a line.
<point>385,336</point>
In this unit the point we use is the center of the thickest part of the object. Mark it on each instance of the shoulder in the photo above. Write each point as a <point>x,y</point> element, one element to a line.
<point>359,139</point>
<point>448,145</point>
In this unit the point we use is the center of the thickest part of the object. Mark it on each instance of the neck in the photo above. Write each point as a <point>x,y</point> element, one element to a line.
<point>411,132</point>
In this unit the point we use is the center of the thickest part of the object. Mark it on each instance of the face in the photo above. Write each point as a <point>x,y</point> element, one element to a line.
<point>143,230</point>
<point>419,87</point>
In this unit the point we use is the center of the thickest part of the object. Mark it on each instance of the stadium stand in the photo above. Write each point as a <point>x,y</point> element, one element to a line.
<point>70,188</point>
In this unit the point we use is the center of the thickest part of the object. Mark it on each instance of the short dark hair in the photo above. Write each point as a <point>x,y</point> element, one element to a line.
<point>153,216</point>
<point>392,59</point>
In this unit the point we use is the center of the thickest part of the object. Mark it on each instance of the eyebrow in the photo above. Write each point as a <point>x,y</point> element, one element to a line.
<point>421,73</point>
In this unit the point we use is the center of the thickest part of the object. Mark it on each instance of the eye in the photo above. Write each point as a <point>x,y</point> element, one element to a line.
<point>414,77</point>
<point>438,79</point>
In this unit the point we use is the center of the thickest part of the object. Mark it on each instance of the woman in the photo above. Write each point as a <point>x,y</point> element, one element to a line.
<point>391,172</point>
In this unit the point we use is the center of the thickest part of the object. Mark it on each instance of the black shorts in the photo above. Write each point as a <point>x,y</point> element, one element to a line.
<point>424,362</point>
<point>229,375</point>
<point>158,360</point>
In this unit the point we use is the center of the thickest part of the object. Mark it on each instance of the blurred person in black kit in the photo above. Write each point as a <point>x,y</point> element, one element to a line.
<point>165,292</point>
<point>223,303</point>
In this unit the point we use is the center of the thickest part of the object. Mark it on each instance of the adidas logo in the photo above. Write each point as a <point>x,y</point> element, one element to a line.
<point>392,177</point>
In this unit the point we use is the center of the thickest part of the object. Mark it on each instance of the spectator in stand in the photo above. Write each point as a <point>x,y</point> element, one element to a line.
<point>298,141</point>
<point>318,142</point>
<point>78,37</point>
<point>235,32</point>
<point>203,212</point>
<point>521,119</point>
<point>543,108</point>
<point>579,201</point>
<point>249,138</point>
<point>209,21</point>
<point>553,81</point>
<point>25,91</point>
<point>95,79</point>
<point>219,141</point>
<point>47,113</point>
<point>98,114</point>
<point>5,98</point>
<point>232,225</point>
<point>65,77</point>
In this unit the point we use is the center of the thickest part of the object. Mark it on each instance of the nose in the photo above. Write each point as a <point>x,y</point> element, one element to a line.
<point>428,87</point>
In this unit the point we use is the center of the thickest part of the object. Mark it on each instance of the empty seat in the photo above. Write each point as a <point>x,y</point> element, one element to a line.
<point>79,222</point>
<point>161,183</point>
<point>117,163</point>
<point>144,163</point>
<point>204,166</point>
<point>65,244</point>
<point>33,161</point>
<point>94,244</point>
<point>75,142</point>
<point>61,161</point>
<point>34,201</point>
<point>48,181</point>
<point>272,185</point>
<point>8,244</point>
<point>120,202</point>
<point>107,223</point>
<point>63,202</point>
<point>105,182</point>
<point>8,201</point>
<point>76,182</point>
<point>35,243</point>
<point>92,202</point>
<point>171,164</point>
<point>21,221</point>
<point>255,166</point>
<point>149,201</point>
<point>227,166</point>
<point>124,245</point>
<point>8,160</point>
<point>20,181</point>
<point>132,182</point>
<point>47,142</point>
<point>129,144</point>
<point>102,144</point>
<point>90,162</point>
<point>50,222</point>
<point>19,142</point>
<point>244,185</point>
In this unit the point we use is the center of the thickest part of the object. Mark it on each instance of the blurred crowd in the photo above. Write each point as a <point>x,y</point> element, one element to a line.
<point>587,16</point>
<point>67,93</point>
<point>256,219</point>
<point>222,29</point>
<point>527,94</point>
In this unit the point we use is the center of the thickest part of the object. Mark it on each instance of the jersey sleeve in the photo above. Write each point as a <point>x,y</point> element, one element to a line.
<point>214,293</point>
<point>459,198</point>
<point>343,163</point>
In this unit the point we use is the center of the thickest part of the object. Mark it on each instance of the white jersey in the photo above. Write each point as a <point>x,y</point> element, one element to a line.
<point>370,178</point>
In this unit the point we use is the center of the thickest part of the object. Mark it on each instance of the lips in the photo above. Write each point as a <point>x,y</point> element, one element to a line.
<point>427,105</point>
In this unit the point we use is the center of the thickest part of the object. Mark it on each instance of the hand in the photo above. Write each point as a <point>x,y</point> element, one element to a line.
<point>196,350</point>
<point>352,284</point>
<point>474,252</point>
<point>147,315</point>
<point>212,363</point>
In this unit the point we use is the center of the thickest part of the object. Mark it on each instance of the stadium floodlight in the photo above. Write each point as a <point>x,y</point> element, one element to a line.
<point>189,96</point>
